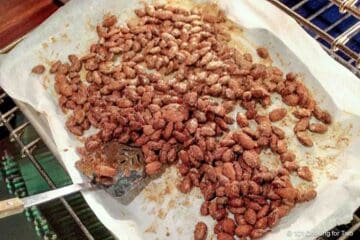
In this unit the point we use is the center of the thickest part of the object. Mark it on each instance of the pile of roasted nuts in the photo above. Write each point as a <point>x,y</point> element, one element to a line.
<point>167,83</point>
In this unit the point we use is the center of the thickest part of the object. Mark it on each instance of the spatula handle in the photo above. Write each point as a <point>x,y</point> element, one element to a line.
<point>11,207</point>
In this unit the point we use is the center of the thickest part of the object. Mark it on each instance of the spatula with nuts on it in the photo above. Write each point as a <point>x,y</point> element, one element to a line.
<point>122,181</point>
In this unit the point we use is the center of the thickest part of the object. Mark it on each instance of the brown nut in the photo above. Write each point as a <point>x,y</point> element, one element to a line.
<point>277,114</point>
<point>278,132</point>
<point>291,99</point>
<point>302,113</point>
<point>153,168</point>
<point>185,185</point>
<point>301,125</point>
<point>244,140</point>
<point>228,226</point>
<point>258,233</point>
<point>251,158</point>
<point>241,120</point>
<point>105,171</point>
<point>224,236</point>
<point>250,216</point>
<point>306,195</point>
<point>305,173</point>
<point>38,69</point>
<point>200,232</point>
<point>304,139</point>
<point>204,209</point>
<point>318,128</point>
<point>322,115</point>
<point>288,193</point>
<point>243,231</point>
<point>287,157</point>
<point>262,52</point>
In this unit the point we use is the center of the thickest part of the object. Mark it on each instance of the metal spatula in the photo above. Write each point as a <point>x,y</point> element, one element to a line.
<point>127,183</point>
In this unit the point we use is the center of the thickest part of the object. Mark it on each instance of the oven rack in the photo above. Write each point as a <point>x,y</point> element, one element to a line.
<point>26,150</point>
<point>336,46</point>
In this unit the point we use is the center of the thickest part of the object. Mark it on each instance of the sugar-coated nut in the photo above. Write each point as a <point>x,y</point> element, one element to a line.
<point>278,131</point>
<point>318,127</point>
<point>305,173</point>
<point>287,193</point>
<point>251,158</point>
<point>277,114</point>
<point>322,115</point>
<point>244,140</point>
<point>250,216</point>
<point>105,171</point>
<point>291,99</point>
<point>38,69</point>
<point>262,52</point>
<point>302,113</point>
<point>287,156</point>
<point>290,166</point>
<point>224,236</point>
<point>185,185</point>
<point>306,195</point>
<point>301,125</point>
<point>200,232</point>
<point>243,230</point>
<point>304,139</point>
<point>241,120</point>
<point>228,226</point>
<point>153,168</point>
<point>258,233</point>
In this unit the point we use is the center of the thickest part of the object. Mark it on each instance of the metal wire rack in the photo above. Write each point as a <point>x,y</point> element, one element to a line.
<point>26,151</point>
<point>342,44</point>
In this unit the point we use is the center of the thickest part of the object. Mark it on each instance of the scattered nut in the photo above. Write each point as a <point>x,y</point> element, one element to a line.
<point>318,127</point>
<point>277,114</point>
<point>38,69</point>
<point>304,139</point>
<point>305,173</point>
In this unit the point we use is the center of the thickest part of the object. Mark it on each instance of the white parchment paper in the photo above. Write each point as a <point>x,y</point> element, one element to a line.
<point>160,211</point>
